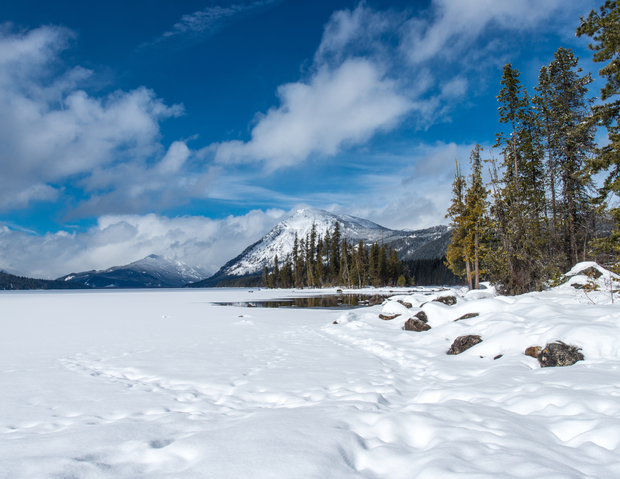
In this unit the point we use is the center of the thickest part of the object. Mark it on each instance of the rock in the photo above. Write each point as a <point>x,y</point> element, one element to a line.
<point>406,305</point>
<point>463,343</point>
<point>447,300</point>
<point>414,324</point>
<point>498,356</point>
<point>335,322</point>
<point>250,305</point>
<point>467,316</point>
<point>387,317</point>
<point>338,291</point>
<point>559,354</point>
<point>533,351</point>
<point>421,315</point>
<point>591,272</point>
<point>376,299</point>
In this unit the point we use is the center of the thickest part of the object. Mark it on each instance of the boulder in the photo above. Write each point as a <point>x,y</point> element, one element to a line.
<point>559,354</point>
<point>533,351</point>
<point>463,343</point>
<point>421,315</point>
<point>467,316</point>
<point>376,299</point>
<point>387,317</point>
<point>414,324</point>
<point>406,305</point>
<point>447,300</point>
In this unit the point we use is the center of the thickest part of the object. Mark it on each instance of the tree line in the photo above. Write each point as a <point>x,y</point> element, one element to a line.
<point>540,212</point>
<point>331,260</point>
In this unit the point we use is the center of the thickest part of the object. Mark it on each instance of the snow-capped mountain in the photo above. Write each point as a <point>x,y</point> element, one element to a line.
<point>279,241</point>
<point>151,272</point>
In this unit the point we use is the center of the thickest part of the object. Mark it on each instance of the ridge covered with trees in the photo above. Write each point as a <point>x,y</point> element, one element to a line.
<point>331,260</point>
<point>540,212</point>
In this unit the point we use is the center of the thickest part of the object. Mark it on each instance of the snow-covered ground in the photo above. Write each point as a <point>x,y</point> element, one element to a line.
<point>162,384</point>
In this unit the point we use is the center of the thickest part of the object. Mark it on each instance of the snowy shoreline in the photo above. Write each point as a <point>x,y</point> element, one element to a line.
<point>160,383</point>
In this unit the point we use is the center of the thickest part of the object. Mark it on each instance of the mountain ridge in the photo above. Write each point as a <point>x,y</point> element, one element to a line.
<point>279,241</point>
<point>152,271</point>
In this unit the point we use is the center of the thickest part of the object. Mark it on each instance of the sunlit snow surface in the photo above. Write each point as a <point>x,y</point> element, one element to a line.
<point>162,384</point>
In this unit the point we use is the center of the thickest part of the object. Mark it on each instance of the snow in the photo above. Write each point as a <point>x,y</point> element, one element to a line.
<point>146,384</point>
<point>279,241</point>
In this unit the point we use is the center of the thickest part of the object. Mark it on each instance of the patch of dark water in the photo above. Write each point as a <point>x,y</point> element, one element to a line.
<point>325,301</point>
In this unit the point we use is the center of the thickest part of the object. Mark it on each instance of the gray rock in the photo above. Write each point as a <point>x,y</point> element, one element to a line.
<point>463,343</point>
<point>467,316</point>
<point>559,354</point>
<point>414,324</point>
<point>421,315</point>
<point>406,305</point>
<point>447,300</point>
<point>387,317</point>
<point>376,299</point>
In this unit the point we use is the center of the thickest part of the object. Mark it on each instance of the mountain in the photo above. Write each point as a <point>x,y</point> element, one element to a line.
<point>13,282</point>
<point>279,241</point>
<point>429,243</point>
<point>151,272</point>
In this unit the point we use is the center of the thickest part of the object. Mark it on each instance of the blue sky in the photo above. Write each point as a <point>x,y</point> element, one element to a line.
<point>190,128</point>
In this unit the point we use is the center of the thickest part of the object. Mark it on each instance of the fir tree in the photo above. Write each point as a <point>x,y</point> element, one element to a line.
<point>604,29</point>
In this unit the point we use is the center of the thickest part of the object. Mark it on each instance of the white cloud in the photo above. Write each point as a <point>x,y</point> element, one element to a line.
<point>51,131</point>
<point>336,107</point>
<point>375,68</point>
<point>202,24</point>
<point>450,27</point>
<point>121,239</point>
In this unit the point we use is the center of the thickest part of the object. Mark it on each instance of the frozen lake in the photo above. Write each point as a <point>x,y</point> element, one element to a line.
<point>162,383</point>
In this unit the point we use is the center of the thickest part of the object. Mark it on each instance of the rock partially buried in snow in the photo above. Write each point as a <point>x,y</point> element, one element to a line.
<point>421,315</point>
<point>416,325</point>
<point>533,351</point>
<point>559,354</point>
<point>447,300</point>
<point>376,299</point>
<point>467,316</point>
<point>406,305</point>
<point>387,317</point>
<point>463,343</point>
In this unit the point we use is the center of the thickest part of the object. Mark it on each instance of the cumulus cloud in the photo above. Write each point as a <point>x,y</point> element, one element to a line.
<point>202,24</point>
<point>51,130</point>
<point>336,107</point>
<point>373,69</point>
<point>121,239</point>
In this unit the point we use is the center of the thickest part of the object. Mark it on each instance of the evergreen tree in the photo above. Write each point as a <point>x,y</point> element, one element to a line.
<point>457,258</point>
<point>574,143</point>
<point>334,259</point>
<point>604,29</point>
<point>476,216</point>
<point>266,277</point>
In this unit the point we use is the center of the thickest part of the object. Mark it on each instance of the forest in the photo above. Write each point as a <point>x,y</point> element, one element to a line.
<point>541,210</point>
<point>331,260</point>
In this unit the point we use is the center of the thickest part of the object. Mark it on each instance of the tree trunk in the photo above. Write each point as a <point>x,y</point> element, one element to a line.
<point>476,264</point>
<point>468,269</point>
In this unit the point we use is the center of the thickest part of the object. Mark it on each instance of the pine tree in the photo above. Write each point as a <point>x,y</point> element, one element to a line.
<point>334,257</point>
<point>604,29</point>
<point>574,143</point>
<point>457,258</point>
<point>476,216</point>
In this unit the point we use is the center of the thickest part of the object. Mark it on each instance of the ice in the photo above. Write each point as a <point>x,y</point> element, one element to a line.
<point>144,384</point>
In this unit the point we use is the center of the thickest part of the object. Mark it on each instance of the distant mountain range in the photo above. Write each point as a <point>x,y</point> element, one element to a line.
<point>160,272</point>
<point>429,243</point>
<point>151,272</point>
